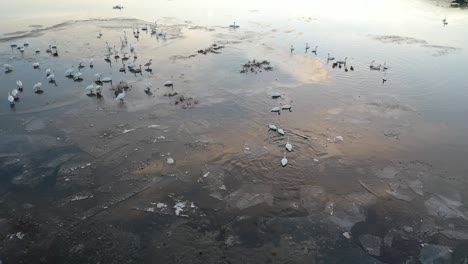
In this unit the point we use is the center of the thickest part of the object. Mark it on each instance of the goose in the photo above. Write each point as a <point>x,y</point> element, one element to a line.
<point>288,146</point>
<point>292,48</point>
<point>36,65</point>
<point>280,131</point>
<point>272,127</point>
<point>330,58</point>
<point>19,84</point>
<point>138,70</point>
<point>37,87</point>
<point>123,67</point>
<point>284,161</point>
<point>276,110</point>
<point>47,72</point>
<point>307,47</point>
<point>286,107</point>
<point>233,25</point>
<point>121,96</point>
<point>148,64</point>
<point>11,99</point>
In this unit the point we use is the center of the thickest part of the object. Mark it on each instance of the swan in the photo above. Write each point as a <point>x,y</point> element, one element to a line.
<point>8,68</point>
<point>288,146</point>
<point>343,62</point>
<point>21,49</point>
<point>11,99</point>
<point>272,127</point>
<point>233,25</point>
<point>124,54</point>
<point>132,48</point>
<point>51,77</point>
<point>374,67</point>
<point>148,87</point>
<point>385,67</point>
<point>77,76</point>
<point>37,87</point>
<point>37,51</point>
<point>275,95</point>
<point>106,79</point>
<point>91,63</point>
<point>47,72</point>
<point>49,49</point>
<point>116,53</point>
<point>276,110</point>
<point>280,131</point>
<point>36,65</point>
<point>98,90</point>
<point>284,161</point>
<point>121,96</point>
<point>307,47</point>
<point>26,44</point>
<point>144,27</point>
<point>98,77</point>
<point>315,50</point>
<point>330,58</point>
<point>55,52</point>
<point>351,68</point>
<point>131,65</point>
<point>286,107</point>
<point>19,84</point>
<point>292,48</point>
<point>89,89</point>
<point>69,73</point>
<point>169,84</point>
<point>109,47</point>
<point>15,93</point>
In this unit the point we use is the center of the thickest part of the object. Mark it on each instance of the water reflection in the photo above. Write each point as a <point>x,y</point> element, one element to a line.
<point>378,150</point>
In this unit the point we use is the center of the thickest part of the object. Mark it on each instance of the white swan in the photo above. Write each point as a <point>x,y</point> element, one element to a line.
<point>330,58</point>
<point>37,87</point>
<point>288,146</point>
<point>11,99</point>
<point>233,25</point>
<point>284,161</point>
<point>19,84</point>
<point>121,96</point>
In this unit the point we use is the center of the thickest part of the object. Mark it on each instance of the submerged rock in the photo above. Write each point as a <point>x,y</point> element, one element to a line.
<point>372,244</point>
<point>435,254</point>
